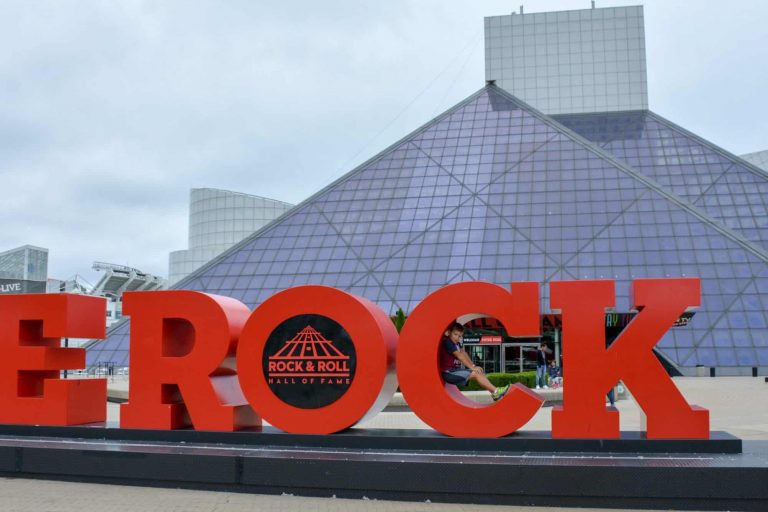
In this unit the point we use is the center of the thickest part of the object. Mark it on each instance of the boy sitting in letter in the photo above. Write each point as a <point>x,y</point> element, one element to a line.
<point>453,356</point>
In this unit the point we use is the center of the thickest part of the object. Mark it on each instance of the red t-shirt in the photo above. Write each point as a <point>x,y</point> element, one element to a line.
<point>448,361</point>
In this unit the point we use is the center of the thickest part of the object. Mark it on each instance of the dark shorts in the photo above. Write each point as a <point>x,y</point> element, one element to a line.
<point>459,377</point>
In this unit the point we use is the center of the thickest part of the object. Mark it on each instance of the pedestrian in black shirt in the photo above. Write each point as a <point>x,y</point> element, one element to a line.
<point>541,367</point>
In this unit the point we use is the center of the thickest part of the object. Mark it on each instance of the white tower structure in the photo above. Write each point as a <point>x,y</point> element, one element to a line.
<point>758,159</point>
<point>218,219</point>
<point>569,62</point>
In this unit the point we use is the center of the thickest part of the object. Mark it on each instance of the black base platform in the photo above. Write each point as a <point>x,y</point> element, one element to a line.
<point>524,469</point>
<point>391,439</point>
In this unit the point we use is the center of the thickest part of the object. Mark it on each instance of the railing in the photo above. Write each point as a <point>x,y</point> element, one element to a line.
<point>105,369</point>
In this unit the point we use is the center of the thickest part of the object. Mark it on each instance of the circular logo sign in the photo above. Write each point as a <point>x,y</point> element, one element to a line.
<point>309,361</point>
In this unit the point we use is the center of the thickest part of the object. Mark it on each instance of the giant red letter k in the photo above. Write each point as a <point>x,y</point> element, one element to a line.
<point>592,370</point>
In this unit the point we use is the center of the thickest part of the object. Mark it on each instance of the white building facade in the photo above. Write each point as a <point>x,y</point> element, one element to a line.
<point>569,62</point>
<point>23,270</point>
<point>758,159</point>
<point>218,219</point>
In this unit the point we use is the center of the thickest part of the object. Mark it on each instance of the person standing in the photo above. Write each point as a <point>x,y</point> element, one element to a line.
<point>611,395</point>
<point>541,367</point>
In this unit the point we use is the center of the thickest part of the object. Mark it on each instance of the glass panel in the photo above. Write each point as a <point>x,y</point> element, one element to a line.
<point>495,192</point>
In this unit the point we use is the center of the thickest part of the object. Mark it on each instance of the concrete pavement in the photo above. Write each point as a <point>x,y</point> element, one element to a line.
<point>738,405</point>
<point>38,496</point>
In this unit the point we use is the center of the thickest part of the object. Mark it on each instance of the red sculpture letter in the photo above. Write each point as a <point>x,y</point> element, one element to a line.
<point>182,351</point>
<point>592,369</point>
<point>30,330</point>
<point>373,337</point>
<point>442,405</point>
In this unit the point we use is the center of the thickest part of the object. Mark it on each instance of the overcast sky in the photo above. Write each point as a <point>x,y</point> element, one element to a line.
<point>110,111</point>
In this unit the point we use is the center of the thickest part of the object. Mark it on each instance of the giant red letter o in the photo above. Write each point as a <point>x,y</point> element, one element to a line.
<point>371,332</point>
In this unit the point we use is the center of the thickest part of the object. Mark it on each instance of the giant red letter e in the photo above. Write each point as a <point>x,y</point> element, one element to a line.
<point>30,330</point>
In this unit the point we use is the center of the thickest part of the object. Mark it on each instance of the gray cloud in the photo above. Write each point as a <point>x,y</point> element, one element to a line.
<point>111,111</point>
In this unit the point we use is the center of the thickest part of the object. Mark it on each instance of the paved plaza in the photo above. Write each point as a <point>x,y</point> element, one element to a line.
<point>738,405</point>
<point>39,496</point>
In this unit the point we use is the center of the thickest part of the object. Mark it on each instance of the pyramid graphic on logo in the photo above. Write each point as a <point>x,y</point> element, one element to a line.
<point>309,354</point>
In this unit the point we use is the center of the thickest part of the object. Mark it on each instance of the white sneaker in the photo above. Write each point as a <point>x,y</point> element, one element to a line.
<point>538,387</point>
<point>546,387</point>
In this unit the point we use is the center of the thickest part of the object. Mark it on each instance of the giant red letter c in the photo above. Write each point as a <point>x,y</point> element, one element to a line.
<point>441,405</point>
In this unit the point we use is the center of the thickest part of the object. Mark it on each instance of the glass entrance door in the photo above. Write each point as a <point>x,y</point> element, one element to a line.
<point>512,361</point>
<point>485,356</point>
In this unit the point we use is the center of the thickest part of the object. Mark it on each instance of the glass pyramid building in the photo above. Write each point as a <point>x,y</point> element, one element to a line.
<point>494,190</point>
<point>729,189</point>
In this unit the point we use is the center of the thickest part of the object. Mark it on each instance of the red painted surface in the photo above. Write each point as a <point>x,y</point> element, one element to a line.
<point>372,333</point>
<point>31,328</point>
<point>441,405</point>
<point>183,346</point>
<point>592,369</point>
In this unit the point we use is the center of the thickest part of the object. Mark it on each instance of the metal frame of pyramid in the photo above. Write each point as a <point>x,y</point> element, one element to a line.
<point>494,190</point>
